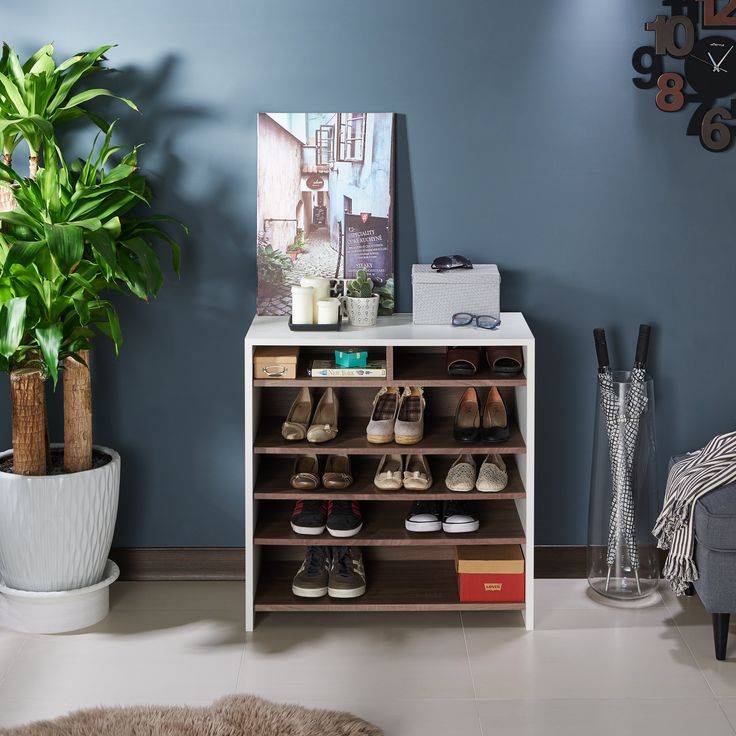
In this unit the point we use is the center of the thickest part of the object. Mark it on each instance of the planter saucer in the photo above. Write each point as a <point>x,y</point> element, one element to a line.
<point>31,612</point>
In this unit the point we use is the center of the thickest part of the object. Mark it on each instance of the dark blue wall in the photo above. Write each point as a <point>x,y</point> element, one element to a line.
<point>521,140</point>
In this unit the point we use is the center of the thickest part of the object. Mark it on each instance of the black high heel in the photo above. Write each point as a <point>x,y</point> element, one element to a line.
<point>495,426</point>
<point>467,417</point>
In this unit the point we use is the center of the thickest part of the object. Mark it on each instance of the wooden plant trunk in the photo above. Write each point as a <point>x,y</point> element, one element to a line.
<point>77,414</point>
<point>32,167</point>
<point>28,404</point>
<point>7,199</point>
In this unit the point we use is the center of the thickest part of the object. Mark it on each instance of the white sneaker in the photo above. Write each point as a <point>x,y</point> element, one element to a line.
<point>457,518</point>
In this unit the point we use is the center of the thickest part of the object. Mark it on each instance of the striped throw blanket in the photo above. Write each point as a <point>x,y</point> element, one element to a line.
<point>699,473</point>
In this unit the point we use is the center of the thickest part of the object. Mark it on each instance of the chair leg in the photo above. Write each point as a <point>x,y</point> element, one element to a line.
<point>720,633</point>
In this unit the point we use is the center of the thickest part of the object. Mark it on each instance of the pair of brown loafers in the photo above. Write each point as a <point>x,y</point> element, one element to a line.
<point>489,424</point>
<point>505,361</point>
<point>337,474</point>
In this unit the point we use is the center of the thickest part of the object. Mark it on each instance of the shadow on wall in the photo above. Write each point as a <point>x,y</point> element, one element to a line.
<point>152,403</point>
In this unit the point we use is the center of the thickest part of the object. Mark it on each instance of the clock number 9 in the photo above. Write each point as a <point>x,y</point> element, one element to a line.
<point>665,30</point>
<point>670,97</point>
<point>654,67</point>
<point>709,127</point>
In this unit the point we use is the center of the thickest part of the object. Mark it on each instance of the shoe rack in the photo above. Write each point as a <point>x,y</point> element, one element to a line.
<point>405,571</point>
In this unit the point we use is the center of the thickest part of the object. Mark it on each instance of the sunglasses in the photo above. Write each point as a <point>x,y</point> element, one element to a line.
<point>484,321</point>
<point>448,263</point>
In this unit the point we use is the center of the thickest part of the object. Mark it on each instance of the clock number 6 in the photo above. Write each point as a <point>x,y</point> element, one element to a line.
<point>715,135</point>
<point>665,30</point>
<point>670,97</point>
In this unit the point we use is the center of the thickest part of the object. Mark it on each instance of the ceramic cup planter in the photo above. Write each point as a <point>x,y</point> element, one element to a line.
<point>361,311</point>
<point>56,530</point>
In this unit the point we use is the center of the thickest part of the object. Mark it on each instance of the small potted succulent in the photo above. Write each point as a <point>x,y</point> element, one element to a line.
<point>361,302</point>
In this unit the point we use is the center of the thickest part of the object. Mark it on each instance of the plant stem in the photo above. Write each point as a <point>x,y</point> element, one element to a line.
<point>77,414</point>
<point>33,166</point>
<point>28,403</point>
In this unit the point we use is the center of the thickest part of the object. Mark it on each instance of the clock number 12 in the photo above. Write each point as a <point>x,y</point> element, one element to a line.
<point>713,17</point>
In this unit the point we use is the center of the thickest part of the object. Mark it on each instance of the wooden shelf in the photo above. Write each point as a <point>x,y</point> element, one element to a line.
<point>383,525</point>
<point>430,369</point>
<point>272,483</point>
<point>351,439</point>
<point>416,585</point>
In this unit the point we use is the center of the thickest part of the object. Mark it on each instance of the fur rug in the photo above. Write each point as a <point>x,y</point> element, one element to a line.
<point>235,715</point>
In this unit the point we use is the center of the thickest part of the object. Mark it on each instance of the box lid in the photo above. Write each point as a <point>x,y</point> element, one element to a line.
<point>502,559</point>
<point>276,354</point>
<point>422,273</point>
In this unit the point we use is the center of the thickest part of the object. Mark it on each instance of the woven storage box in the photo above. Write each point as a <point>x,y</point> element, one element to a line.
<point>437,296</point>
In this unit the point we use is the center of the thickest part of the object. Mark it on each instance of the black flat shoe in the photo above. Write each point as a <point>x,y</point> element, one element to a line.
<point>495,426</point>
<point>467,417</point>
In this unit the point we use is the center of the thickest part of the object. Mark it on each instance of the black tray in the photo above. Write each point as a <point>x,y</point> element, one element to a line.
<point>317,328</point>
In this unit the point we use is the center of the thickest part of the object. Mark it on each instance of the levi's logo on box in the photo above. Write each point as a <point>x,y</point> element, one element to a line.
<point>492,587</point>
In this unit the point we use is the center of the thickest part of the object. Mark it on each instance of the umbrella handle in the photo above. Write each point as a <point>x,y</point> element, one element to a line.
<point>601,349</point>
<point>642,346</point>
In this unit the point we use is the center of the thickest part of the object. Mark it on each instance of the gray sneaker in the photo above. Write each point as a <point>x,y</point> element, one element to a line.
<point>312,579</point>
<point>347,575</point>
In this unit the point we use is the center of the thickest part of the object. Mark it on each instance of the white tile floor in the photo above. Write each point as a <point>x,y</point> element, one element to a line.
<point>587,668</point>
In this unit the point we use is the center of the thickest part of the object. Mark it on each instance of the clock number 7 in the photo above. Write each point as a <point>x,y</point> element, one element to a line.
<point>665,30</point>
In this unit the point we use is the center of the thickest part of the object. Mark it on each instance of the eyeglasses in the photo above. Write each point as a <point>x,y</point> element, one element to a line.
<point>484,321</point>
<point>448,263</point>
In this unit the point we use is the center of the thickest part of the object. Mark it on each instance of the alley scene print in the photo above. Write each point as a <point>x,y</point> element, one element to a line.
<point>325,201</point>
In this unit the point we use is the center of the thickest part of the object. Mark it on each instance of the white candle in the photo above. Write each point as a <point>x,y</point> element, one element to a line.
<point>327,311</point>
<point>302,310</point>
<point>321,288</point>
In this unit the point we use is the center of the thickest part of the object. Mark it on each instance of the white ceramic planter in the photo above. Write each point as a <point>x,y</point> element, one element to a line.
<point>56,530</point>
<point>362,312</point>
<point>56,612</point>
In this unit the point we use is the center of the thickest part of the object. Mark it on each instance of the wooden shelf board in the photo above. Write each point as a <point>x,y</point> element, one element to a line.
<point>274,472</point>
<point>383,526</point>
<point>351,439</point>
<point>416,585</point>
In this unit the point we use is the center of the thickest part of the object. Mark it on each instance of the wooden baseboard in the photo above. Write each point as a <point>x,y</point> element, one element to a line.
<point>228,563</point>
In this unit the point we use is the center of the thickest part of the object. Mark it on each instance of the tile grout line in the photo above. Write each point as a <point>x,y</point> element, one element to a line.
<point>472,676</point>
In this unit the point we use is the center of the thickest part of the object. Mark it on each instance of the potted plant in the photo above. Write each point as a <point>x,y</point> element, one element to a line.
<point>361,302</point>
<point>70,240</point>
<point>298,247</point>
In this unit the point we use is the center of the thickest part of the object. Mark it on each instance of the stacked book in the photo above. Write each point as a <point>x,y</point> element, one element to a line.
<point>328,369</point>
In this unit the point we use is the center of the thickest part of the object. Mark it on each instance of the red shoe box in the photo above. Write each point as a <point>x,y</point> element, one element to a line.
<point>490,574</point>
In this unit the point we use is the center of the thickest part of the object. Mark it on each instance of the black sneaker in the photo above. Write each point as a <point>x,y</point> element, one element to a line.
<point>309,517</point>
<point>347,576</point>
<point>312,579</point>
<point>344,518</point>
<point>424,516</point>
<point>458,517</point>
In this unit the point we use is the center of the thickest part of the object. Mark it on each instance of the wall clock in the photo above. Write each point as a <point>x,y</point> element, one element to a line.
<point>693,62</point>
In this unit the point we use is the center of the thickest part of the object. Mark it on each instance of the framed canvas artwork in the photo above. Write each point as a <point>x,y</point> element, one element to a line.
<point>325,202</point>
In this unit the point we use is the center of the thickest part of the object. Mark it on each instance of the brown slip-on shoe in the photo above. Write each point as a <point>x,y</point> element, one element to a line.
<point>505,361</point>
<point>467,417</point>
<point>462,361</point>
<point>324,422</point>
<point>295,425</point>
<point>305,476</point>
<point>495,426</point>
<point>338,473</point>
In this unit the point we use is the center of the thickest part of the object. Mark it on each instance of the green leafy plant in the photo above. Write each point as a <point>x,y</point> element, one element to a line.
<point>386,296</point>
<point>361,287</point>
<point>300,245</point>
<point>39,94</point>
<point>272,263</point>
<point>72,238</point>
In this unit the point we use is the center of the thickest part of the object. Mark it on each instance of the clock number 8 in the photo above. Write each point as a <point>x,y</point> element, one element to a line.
<point>670,97</point>
<point>665,30</point>
<point>709,127</point>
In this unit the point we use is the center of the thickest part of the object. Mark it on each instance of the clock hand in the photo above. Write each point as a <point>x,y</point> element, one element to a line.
<point>715,66</point>
<point>724,57</point>
<point>704,61</point>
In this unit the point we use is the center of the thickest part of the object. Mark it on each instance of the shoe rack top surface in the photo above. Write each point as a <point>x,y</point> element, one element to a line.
<point>397,330</point>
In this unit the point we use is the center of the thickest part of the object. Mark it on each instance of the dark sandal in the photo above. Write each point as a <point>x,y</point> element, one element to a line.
<point>463,361</point>
<point>505,360</point>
